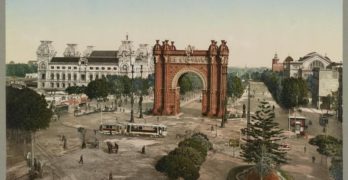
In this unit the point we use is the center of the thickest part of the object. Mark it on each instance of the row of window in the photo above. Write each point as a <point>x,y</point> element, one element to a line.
<point>91,68</point>
<point>63,67</point>
<point>83,76</point>
<point>58,85</point>
<point>102,68</point>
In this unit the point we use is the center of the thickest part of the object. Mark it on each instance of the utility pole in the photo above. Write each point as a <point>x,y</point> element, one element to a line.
<point>248,113</point>
<point>141,93</point>
<point>132,98</point>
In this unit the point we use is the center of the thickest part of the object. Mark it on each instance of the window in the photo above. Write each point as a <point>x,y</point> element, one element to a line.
<point>43,76</point>
<point>97,76</point>
<point>97,68</point>
<point>83,77</point>
<point>58,67</point>
<point>63,76</point>
<point>75,67</point>
<point>103,68</point>
<point>69,67</point>
<point>75,77</point>
<point>115,68</point>
<point>52,67</point>
<point>43,84</point>
<point>91,77</point>
<point>57,85</point>
<point>52,85</point>
<point>63,67</point>
<point>57,75</point>
<point>109,68</point>
<point>69,76</point>
<point>63,85</point>
<point>91,68</point>
<point>52,76</point>
<point>82,62</point>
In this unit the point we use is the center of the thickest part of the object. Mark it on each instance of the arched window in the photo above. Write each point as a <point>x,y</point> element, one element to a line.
<point>57,75</point>
<point>52,76</point>
<point>316,64</point>
<point>69,76</point>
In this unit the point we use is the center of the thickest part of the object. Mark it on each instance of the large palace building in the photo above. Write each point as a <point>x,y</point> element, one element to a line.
<point>76,69</point>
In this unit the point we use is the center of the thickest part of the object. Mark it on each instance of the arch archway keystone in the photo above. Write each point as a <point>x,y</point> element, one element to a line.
<point>210,65</point>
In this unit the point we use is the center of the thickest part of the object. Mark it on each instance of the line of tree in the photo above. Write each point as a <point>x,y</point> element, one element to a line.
<point>289,92</point>
<point>20,69</point>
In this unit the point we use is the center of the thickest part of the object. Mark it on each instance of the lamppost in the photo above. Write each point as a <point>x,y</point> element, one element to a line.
<point>248,113</point>
<point>141,93</point>
<point>132,97</point>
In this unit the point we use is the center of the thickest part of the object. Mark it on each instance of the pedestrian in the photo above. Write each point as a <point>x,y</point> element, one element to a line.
<point>81,160</point>
<point>110,176</point>
<point>212,128</point>
<point>313,159</point>
<point>143,150</point>
<point>64,144</point>
<point>305,149</point>
<point>116,148</point>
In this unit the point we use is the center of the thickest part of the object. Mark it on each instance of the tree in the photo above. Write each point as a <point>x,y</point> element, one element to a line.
<point>234,86</point>
<point>185,84</point>
<point>97,89</point>
<point>26,110</point>
<point>263,132</point>
<point>19,70</point>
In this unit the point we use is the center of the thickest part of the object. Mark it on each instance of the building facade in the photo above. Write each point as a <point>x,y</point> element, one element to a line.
<point>76,69</point>
<point>303,67</point>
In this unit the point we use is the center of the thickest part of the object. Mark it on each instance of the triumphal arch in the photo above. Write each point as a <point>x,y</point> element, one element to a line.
<point>210,65</point>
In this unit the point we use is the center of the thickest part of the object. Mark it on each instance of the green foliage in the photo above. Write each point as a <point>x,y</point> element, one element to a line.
<point>189,152</point>
<point>263,132</point>
<point>294,92</point>
<point>234,86</point>
<point>185,84</point>
<point>327,145</point>
<point>76,89</point>
<point>181,166</point>
<point>189,82</point>
<point>272,81</point>
<point>97,89</point>
<point>336,168</point>
<point>26,110</point>
<point>185,160</point>
<point>197,144</point>
<point>19,70</point>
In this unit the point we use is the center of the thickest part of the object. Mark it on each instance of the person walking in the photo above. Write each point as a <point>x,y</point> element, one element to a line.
<point>143,150</point>
<point>81,160</point>
<point>110,176</point>
<point>305,149</point>
<point>313,159</point>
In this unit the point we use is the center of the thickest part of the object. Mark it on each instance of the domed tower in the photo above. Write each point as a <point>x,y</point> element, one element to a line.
<point>45,52</point>
<point>275,61</point>
<point>126,56</point>
<point>71,51</point>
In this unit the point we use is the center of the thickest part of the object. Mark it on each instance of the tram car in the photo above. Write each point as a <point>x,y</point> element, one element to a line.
<point>133,129</point>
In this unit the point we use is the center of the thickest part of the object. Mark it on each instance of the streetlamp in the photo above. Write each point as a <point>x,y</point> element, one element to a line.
<point>141,93</point>
<point>132,97</point>
<point>248,113</point>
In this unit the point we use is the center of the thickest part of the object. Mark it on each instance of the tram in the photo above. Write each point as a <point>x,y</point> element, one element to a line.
<point>133,129</point>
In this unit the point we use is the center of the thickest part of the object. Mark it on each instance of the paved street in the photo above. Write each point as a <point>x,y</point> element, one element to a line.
<point>129,163</point>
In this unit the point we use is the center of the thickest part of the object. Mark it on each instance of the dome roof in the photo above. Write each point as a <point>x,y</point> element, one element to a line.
<point>126,48</point>
<point>45,49</point>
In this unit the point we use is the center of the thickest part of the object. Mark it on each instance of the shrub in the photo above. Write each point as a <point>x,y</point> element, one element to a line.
<point>205,142</point>
<point>200,134</point>
<point>180,166</point>
<point>196,144</point>
<point>161,164</point>
<point>195,156</point>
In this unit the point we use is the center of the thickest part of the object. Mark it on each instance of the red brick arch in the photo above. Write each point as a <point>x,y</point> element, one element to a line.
<point>210,65</point>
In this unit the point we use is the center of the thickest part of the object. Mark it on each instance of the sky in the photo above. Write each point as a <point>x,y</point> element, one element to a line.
<point>254,30</point>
